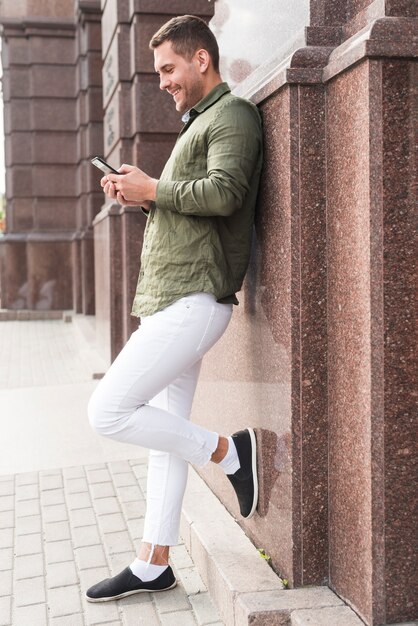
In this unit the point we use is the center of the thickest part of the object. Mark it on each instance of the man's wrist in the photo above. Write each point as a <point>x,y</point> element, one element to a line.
<point>152,194</point>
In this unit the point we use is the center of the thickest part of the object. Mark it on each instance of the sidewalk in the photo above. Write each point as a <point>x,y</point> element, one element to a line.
<point>71,503</point>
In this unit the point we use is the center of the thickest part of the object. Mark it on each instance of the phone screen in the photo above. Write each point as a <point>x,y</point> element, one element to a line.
<point>102,165</point>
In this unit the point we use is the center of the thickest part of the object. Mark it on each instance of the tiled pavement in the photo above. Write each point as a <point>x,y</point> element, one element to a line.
<point>62,530</point>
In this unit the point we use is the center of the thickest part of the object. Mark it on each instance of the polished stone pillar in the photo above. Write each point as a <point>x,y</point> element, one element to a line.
<point>140,127</point>
<point>41,155</point>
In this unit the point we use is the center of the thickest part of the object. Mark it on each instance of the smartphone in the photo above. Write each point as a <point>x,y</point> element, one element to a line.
<point>105,167</point>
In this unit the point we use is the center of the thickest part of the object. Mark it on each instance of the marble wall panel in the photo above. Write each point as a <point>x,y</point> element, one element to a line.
<point>51,114</point>
<point>114,13</point>
<point>151,152</point>
<point>54,180</point>
<point>51,81</point>
<point>174,7</point>
<point>49,275</point>
<point>13,274</point>
<point>54,214</point>
<point>349,319</point>
<point>22,210</point>
<point>398,86</point>
<point>54,147</point>
<point>153,109</point>
<point>117,121</point>
<point>116,65</point>
<point>252,385</point>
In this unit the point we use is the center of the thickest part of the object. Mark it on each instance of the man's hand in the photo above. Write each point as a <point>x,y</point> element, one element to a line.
<point>132,188</point>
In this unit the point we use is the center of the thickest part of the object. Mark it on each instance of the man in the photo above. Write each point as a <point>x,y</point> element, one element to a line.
<point>195,253</point>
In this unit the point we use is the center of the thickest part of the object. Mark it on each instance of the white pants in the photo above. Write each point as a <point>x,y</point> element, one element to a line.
<point>146,396</point>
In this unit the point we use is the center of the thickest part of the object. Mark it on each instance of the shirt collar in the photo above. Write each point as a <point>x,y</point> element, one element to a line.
<point>213,96</point>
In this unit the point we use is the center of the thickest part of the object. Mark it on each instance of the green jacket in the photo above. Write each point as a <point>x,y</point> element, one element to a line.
<point>198,233</point>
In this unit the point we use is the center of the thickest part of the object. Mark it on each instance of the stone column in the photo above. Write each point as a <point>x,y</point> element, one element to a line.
<point>140,126</point>
<point>41,154</point>
<point>90,143</point>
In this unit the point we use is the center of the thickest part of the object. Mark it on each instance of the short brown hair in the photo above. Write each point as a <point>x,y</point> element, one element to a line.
<point>187,33</point>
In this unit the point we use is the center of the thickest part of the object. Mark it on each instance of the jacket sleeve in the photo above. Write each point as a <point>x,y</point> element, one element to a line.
<point>234,144</point>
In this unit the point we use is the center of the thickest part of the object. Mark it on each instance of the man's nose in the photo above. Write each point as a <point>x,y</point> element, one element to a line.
<point>164,83</point>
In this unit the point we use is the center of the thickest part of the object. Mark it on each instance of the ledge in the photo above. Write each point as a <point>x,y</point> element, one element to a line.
<point>241,584</point>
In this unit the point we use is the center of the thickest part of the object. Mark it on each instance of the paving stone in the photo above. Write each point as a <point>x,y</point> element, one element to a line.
<point>35,615</point>
<point>89,577</point>
<point>73,472</point>
<point>55,513</point>
<point>57,531</point>
<point>179,618</point>
<point>180,556</point>
<point>136,529</point>
<point>6,537</point>
<point>102,490</point>
<point>98,476</point>
<point>96,613</point>
<point>76,485</point>
<point>52,496</point>
<point>58,551</point>
<point>125,479</point>
<point>120,467</point>
<point>130,494</point>
<point>6,579</point>
<point>191,580</point>
<point>6,559</point>
<point>7,519</point>
<point>134,510</point>
<point>29,591</point>
<point>27,507</point>
<point>7,503</point>
<point>50,481</point>
<point>28,544</point>
<point>61,575</point>
<point>86,536</point>
<point>5,611</point>
<point>28,525</point>
<point>27,478</point>
<point>68,620</point>
<point>111,523</point>
<point>82,517</point>
<point>118,542</point>
<point>204,609</point>
<point>7,488</point>
<point>64,601</point>
<point>140,470</point>
<point>138,610</point>
<point>27,492</point>
<point>118,562</point>
<point>29,566</point>
<point>172,600</point>
<point>91,556</point>
<point>80,500</point>
<point>104,506</point>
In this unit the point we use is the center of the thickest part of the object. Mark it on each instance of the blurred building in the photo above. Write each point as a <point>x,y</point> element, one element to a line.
<point>319,355</point>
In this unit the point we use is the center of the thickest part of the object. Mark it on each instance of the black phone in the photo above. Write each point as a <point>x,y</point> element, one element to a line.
<point>105,167</point>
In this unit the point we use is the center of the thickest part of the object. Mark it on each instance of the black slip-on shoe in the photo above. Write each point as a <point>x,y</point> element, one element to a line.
<point>245,481</point>
<point>126,583</point>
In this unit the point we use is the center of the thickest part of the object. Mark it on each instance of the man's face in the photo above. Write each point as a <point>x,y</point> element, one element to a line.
<point>182,78</point>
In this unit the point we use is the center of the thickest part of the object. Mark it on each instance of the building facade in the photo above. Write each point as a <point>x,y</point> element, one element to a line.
<point>319,354</point>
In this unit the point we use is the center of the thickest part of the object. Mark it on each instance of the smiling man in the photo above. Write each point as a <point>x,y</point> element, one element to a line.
<point>195,254</point>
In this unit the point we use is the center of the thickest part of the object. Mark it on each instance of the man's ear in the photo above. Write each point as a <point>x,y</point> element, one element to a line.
<point>203,58</point>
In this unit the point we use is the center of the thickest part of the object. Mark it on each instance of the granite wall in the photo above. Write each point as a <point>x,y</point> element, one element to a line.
<point>53,124</point>
<point>318,356</point>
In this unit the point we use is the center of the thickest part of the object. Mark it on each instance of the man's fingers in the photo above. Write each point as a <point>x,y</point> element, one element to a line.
<point>103,181</point>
